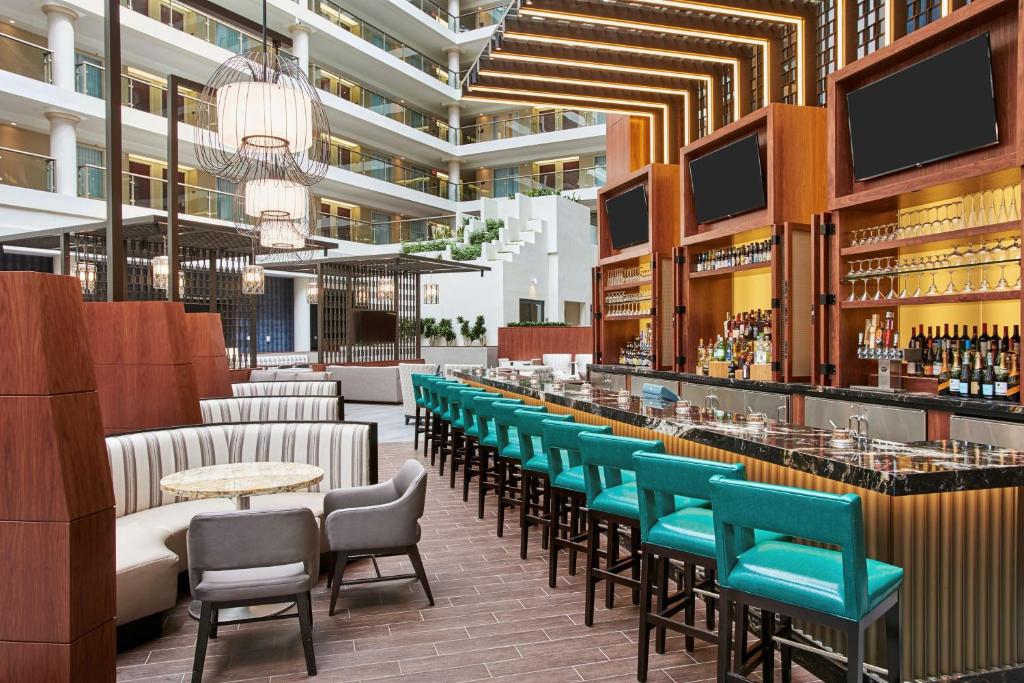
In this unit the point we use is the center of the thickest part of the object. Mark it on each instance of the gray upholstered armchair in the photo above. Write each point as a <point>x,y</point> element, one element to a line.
<point>377,521</point>
<point>252,557</point>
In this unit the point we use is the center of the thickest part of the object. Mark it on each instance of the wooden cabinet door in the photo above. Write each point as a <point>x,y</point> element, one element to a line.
<point>822,237</point>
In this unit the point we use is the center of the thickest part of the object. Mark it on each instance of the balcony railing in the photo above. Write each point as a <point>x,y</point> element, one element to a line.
<point>136,93</point>
<point>388,171</point>
<point>26,169</point>
<point>538,183</point>
<point>151,193</point>
<point>384,41</point>
<point>196,23</point>
<point>530,124</point>
<point>327,81</point>
<point>25,58</point>
<point>386,232</point>
<point>482,17</point>
<point>437,13</point>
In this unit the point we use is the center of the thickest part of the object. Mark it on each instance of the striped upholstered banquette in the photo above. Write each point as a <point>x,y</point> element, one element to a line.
<point>151,525</point>
<point>318,388</point>
<point>272,409</point>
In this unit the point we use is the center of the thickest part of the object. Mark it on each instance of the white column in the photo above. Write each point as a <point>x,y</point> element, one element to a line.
<point>453,65</point>
<point>64,150</point>
<point>301,315</point>
<point>453,12</point>
<point>454,122</point>
<point>60,38</point>
<point>300,45</point>
<point>454,178</point>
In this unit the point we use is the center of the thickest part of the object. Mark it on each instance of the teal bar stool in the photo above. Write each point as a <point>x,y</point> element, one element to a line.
<point>613,499</point>
<point>535,486</point>
<point>421,399</point>
<point>487,452</point>
<point>457,396</point>
<point>472,436</point>
<point>436,433</point>
<point>686,535</point>
<point>840,589</point>
<point>568,489</point>
<point>508,457</point>
<point>441,444</point>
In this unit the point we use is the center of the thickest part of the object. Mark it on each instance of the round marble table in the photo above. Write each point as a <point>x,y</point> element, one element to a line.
<point>241,480</point>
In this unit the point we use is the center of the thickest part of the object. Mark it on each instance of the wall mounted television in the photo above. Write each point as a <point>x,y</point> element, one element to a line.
<point>728,181</point>
<point>628,217</point>
<point>940,107</point>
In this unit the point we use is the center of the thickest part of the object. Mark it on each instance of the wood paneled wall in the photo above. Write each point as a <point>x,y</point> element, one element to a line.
<point>524,343</point>
<point>209,355</point>
<point>56,495</point>
<point>628,145</point>
<point>143,363</point>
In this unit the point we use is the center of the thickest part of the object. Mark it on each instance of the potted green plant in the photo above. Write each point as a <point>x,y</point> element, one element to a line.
<point>445,331</point>
<point>478,332</point>
<point>428,330</point>
<point>465,330</point>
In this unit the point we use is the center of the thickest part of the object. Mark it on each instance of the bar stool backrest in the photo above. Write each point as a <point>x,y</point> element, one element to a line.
<point>564,437</point>
<point>458,398</point>
<point>434,390</point>
<point>468,407</point>
<point>606,456</point>
<point>661,477</point>
<point>505,417</point>
<point>530,425</point>
<point>484,407</point>
<point>739,507</point>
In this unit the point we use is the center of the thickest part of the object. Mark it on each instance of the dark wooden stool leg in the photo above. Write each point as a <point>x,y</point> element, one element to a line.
<point>554,512</point>
<point>634,552</point>
<point>593,542</point>
<point>690,613</point>
<point>663,579</point>
<point>767,646</point>
<point>502,485</point>
<point>613,557</point>
<point>644,640</point>
<point>894,643</point>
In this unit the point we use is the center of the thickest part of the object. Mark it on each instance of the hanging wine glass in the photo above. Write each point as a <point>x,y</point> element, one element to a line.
<point>878,280</point>
<point>983,285</point>
<point>1002,284</point>
<point>968,285</point>
<point>932,289</point>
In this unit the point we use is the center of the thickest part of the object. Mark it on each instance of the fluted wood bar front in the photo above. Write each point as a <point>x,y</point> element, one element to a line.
<point>949,514</point>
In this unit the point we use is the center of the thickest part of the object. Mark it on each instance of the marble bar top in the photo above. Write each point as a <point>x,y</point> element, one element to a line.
<point>887,467</point>
<point>995,410</point>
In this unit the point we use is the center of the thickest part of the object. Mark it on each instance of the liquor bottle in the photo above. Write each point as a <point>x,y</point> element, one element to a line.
<point>946,339</point>
<point>965,377</point>
<point>944,378</point>
<point>983,340</point>
<point>938,357</point>
<point>1002,374</point>
<point>976,377</point>
<point>988,379</point>
<point>1015,341</point>
<point>955,341</point>
<point>1004,342</point>
<point>1013,381</point>
<point>929,339</point>
<point>911,366</point>
<point>926,360</point>
<point>993,343</point>
<point>974,339</point>
<point>954,374</point>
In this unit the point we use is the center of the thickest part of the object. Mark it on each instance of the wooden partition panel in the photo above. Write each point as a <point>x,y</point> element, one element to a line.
<point>524,343</point>
<point>628,143</point>
<point>209,356</point>
<point>143,362</point>
<point>56,494</point>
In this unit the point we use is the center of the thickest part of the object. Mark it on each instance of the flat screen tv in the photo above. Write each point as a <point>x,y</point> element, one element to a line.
<point>938,108</point>
<point>728,181</point>
<point>374,326</point>
<point>628,217</point>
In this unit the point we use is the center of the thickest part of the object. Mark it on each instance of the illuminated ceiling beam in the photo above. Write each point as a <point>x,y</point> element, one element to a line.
<point>762,43</point>
<point>621,48</point>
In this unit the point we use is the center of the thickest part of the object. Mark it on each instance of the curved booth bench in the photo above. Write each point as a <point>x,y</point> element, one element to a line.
<point>311,388</point>
<point>151,525</point>
<point>272,409</point>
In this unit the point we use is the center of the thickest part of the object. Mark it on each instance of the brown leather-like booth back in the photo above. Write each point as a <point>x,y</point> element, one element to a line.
<point>209,355</point>
<point>56,496</point>
<point>143,362</point>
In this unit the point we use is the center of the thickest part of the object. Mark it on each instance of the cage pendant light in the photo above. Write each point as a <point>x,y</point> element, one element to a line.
<point>257,111</point>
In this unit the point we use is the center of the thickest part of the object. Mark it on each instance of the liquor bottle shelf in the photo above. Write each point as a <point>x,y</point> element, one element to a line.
<point>629,285</point>
<point>963,297</point>
<point>719,272</point>
<point>889,245</point>
<point>609,318</point>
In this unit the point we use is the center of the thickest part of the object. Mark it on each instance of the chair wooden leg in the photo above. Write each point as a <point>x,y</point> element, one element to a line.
<point>576,522</point>
<point>690,610</point>
<point>739,646</point>
<point>502,484</point>
<point>663,572</point>
<point>724,637</point>
<point>613,557</point>
<point>416,430</point>
<point>855,654</point>
<point>527,482</point>
<point>554,513</point>
<point>417,564</point>
<point>709,603</point>
<point>644,640</point>
<point>543,494</point>
<point>484,460</point>
<point>469,454</point>
<point>894,643</point>
<point>767,646</point>
<point>443,451</point>
<point>593,541</point>
<point>340,560</point>
<point>634,552</point>
<point>214,618</point>
<point>306,629</point>
<point>205,615</point>
<point>786,625</point>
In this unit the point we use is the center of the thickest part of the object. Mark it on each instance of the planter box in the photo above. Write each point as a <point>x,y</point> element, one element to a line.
<point>524,343</point>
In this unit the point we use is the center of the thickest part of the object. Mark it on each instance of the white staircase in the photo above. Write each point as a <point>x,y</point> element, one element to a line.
<point>520,227</point>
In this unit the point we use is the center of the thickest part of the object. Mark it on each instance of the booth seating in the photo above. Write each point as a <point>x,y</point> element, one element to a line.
<point>272,409</point>
<point>280,360</point>
<point>405,373</point>
<point>369,383</point>
<point>287,375</point>
<point>286,389</point>
<point>151,525</point>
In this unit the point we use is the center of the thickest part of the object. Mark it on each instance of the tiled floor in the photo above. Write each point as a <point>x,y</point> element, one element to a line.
<point>495,618</point>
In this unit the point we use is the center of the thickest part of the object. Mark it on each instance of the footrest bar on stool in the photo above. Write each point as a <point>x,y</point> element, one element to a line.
<point>834,656</point>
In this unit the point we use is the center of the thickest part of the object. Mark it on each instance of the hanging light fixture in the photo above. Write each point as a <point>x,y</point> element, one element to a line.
<point>385,288</point>
<point>161,269</point>
<point>86,273</point>
<point>253,279</point>
<point>431,293</point>
<point>313,292</point>
<point>279,234</point>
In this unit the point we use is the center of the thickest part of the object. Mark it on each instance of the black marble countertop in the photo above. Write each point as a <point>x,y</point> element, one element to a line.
<point>994,410</point>
<point>891,468</point>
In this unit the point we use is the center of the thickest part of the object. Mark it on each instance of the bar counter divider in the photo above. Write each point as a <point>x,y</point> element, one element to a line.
<point>949,514</point>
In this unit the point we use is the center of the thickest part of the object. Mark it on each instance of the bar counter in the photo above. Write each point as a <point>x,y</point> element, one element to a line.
<point>948,512</point>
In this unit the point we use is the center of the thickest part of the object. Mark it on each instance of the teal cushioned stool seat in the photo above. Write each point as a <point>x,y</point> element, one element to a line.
<point>530,426</point>
<point>536,487</point>
<point>422,415</point>
<point>462,445</point>
<point>837,588</point>
<point>685,534</point>
<point>506,428</point>
<point>488,469</point>
<point>567,488</point>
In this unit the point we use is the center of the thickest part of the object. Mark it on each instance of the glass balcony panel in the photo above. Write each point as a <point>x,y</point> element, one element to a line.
<point>25,169</point>
<point>547,182</point>
<point>195,23</point>
<point>528,124</point>
<point>25,58</point>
